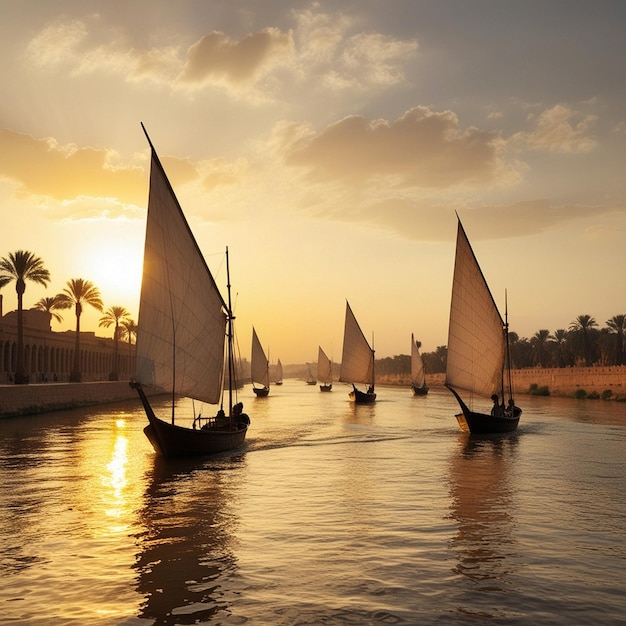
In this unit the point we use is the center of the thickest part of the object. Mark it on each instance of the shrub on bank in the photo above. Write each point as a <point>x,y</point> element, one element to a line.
<point>580,394</point>
<point>535,390</point>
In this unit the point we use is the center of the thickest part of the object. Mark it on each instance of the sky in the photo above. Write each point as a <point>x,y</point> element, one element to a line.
<point>330,145</point>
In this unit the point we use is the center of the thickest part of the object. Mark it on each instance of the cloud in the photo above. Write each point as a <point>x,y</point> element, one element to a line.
<point>217,57</point>
<point>560,129</point>
<point>326,50</point>
<point>44,168</point>
<point>422,149</point>
<point>331,49</point>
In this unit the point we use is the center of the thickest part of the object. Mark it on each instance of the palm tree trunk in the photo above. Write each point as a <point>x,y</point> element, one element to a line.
<point>75,375</point>
<point>21,376</point>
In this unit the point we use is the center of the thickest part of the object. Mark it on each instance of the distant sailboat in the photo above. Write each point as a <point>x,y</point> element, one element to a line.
<point>279,373</point>
<point>260,368</point>
<point>418,375</point>
<point>324,371</point>
<point>357,360</point>
<point>478,346</point>
<point>310,380</point>
<point>183,322</point>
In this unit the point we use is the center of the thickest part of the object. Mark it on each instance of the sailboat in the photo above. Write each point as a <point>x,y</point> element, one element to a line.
<point>310,379</point>
<point>418,375</point>
<point>324,371</point>
<point>183,323</point>
<point>357,360</point>
<point>279,373</point>
<point>478,350</point>
<point>260,368</point>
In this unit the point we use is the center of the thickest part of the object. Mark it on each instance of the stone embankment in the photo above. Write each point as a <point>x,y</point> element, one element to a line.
<point>564,381</point>
<point>39,398</point>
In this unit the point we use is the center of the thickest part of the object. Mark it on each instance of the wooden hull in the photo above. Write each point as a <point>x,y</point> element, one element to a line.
<point>171,441</point>
<point>482,423</point>
<point>278,382</point>
<point>419,391</point>
<point>362,397</point>
<point>261,392</point>
<point>328,387</point>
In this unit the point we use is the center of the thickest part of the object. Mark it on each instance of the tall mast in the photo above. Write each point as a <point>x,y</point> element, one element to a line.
<point>231,365</point>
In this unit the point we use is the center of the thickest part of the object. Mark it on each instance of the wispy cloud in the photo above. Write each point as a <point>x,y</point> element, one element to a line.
<point>423,148</point>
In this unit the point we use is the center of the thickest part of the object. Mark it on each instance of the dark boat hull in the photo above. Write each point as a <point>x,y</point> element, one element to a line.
<point>328,387</point>
<point>419,391</point>
<point>170,440</point>
<point>362,397</point>
<point>482,423</point>
<point>261,392</point>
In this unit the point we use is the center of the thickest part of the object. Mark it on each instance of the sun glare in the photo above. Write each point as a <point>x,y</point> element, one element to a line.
<point>116,270</point>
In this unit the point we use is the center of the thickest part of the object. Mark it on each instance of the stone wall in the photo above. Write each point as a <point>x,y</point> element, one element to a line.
<point>564,381</point>
<point>40,398</point>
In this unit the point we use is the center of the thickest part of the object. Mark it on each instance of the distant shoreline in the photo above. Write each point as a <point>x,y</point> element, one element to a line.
<point>607,382</point>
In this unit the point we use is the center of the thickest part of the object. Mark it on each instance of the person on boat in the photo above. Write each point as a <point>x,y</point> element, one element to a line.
<point>370,389</point>
<point>239,415</point>
<point>497,410</point>
<point>512,410</point>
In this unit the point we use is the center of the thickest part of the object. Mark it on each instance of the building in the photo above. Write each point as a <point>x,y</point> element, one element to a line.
<point>49,355</point>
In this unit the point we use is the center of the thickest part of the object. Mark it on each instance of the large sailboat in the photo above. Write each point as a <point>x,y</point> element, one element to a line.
<point>357,360</point>
<point>418,375</point>
<point>324,371</point>
<point>183,323</point>
<point>260,368</point>
<point>478,351</point>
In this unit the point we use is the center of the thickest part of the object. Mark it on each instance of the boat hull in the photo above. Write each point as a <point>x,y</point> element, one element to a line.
<point>483,424</point>
<point>170,440</point>
<point>261,392</point>
<point>362,397</point>
<point>326,387</point>
<point>419,391</point>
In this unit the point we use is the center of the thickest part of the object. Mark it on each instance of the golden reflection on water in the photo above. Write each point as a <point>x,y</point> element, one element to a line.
<point>116,480</point>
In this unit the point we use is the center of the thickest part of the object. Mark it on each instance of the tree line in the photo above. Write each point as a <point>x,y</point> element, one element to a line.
<point>584,343</point>
<point>22,267</point>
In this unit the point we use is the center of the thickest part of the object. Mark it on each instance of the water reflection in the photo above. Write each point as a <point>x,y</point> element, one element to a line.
<point>483,507</point>
<point>115,480</point>
<point>185,555</point>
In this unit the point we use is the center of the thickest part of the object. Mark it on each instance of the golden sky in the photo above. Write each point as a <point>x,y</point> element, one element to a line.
<point>328,144</point>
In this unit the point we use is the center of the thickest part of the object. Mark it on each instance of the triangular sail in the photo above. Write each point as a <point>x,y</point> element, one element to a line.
<point>279,370</point>
<point>357,359</point>
<point>418,376</point>
<point>476,339</point>
<point>260,365</point>
<point>324,367</point>
<point>182,316</point>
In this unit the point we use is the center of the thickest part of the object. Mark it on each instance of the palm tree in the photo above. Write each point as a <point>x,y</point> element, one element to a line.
<point>129,330</point>
<point>581,331</point>
<point>559,341</point>
<point>540,350</point>
<point>617,329</point>
<point>114,315</point>
<point>52,304</point>
<point>78,292</point>
<point>22,266</point>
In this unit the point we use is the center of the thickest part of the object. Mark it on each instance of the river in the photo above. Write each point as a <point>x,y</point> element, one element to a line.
<point>331,514</point>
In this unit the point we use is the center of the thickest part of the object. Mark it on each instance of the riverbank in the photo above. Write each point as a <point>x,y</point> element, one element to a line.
<point>608,383</point>
<point>40,398</point>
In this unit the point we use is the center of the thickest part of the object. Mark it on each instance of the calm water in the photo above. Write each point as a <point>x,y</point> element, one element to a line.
<point>332,514</point>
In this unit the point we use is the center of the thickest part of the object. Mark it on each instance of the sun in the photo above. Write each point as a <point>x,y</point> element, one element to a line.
<point>115,268</point>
